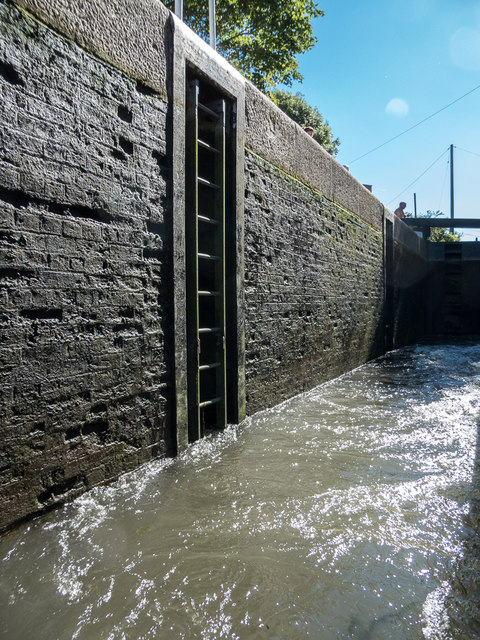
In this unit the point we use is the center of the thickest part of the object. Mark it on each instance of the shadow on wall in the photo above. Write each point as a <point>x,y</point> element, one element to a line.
<point>370,342</point>
<point>409,290</point>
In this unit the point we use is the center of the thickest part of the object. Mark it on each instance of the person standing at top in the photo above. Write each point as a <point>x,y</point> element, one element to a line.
<point>400,211</point>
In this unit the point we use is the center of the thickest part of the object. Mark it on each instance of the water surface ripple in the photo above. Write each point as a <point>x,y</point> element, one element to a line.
<point>350,512</point>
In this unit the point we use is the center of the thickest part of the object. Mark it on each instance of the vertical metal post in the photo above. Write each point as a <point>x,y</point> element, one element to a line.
<point>179,9</point>
<point>212,21</point>
<point>452,199</point>
<point>415,204</point>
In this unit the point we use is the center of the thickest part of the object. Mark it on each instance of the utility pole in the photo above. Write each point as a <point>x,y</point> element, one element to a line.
<point>452,206</point>
<point>415,204</point>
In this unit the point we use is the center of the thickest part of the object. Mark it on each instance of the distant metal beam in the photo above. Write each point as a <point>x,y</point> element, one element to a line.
<point>459,223</point>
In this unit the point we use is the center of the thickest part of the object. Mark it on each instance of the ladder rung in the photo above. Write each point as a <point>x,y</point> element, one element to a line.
<point>206,367</point>
<point>209,293</point>
<point>209,330</point>
<point>205,109</point>
<point>207,403</point>
<point>208,256</point>
<point>208,147</point>
<point>207,219</point>
<point>211,185</point>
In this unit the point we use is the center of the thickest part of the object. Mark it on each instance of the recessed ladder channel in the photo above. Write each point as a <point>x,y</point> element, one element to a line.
<point>452,293</point>
<point>205,232</point>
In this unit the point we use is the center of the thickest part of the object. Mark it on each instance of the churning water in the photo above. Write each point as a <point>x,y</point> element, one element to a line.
<point>350,512</point>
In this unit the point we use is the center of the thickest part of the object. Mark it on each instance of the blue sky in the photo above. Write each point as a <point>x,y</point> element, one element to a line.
<point>379,67</point>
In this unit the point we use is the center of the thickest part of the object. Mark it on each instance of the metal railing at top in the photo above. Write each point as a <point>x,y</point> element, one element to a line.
<point>211,19</point>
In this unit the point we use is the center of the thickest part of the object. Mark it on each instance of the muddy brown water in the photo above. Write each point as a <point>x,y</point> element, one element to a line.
<point>349,512</point>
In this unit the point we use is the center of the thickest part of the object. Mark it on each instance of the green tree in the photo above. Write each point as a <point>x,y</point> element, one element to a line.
<point>440,234</point>
<point>259,37</point>
<point>295,106</point>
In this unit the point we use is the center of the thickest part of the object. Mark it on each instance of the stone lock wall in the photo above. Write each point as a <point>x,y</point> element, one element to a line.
<point>92,251</point>
<point>314,287</point>
<point>84,270</point>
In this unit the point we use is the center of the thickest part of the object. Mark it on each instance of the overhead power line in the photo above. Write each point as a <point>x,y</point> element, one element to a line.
<point>470,152</point>
<point>418,178</point>
<point>415,125</point>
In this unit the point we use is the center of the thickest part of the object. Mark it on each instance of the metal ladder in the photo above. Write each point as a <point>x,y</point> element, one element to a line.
<point>205,250</point>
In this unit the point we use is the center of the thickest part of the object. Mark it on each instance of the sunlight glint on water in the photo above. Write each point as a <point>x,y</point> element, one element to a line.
<point>343,513</point>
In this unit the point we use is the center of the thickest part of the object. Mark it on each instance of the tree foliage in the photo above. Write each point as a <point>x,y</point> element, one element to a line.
<point>259,37</point>
<point>441,234</point>
<point>295,106</point>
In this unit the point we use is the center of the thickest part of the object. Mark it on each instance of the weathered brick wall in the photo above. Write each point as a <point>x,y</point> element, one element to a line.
<point>314,292</point>
<point>85,276</point>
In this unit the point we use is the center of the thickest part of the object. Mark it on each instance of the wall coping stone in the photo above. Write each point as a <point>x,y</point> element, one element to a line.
<point>275,137</point>
<point>132,35</point>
